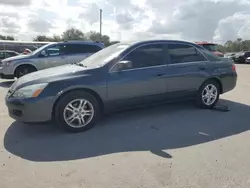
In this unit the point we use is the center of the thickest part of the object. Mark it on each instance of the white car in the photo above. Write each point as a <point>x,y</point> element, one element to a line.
<point>248,60</point>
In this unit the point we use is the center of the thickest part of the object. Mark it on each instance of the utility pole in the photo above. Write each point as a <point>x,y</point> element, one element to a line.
<point>100,25</point>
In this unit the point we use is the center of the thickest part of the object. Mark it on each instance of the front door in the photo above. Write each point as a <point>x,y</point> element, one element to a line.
<point>144,81</point>
<point>186,69</point>
<point>54,55</point>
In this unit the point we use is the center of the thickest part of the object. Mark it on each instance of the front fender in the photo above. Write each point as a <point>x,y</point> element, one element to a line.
<point>23,62</point>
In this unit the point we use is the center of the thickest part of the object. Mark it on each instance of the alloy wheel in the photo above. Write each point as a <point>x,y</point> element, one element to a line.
<point>78,113</point>
<point>209,94</point>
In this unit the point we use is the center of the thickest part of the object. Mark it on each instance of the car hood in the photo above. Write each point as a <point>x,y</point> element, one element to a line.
<point>18,57</point>
<point>48,75</point>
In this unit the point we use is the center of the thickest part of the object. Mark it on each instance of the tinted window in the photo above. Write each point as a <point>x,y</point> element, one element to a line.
<point>56,50</point>
<point>2,56</point>
<point>209,55</point>
<point>82,48</point>
<point>247,54</point>
<point>146,56</point>
<point>10,54</point>
<point>182,53</point>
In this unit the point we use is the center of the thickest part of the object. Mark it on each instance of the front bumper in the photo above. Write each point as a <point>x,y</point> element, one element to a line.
<point>30,110</point>
<point>5,73</point>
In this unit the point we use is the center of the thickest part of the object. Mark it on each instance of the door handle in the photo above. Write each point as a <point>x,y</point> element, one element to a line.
<point>202,67</point>
<point>160,74</point>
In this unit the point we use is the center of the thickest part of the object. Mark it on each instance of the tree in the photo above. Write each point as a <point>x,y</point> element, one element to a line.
<point>73,34</point>
<point>2,37</point>
<point>113,42</point>
<point>10,38</point>
<point>95,36</point>
<point>56,38</point>
<point>42,38</point>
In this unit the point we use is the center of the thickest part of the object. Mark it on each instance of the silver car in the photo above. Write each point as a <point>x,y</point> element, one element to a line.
<point>50,55</point>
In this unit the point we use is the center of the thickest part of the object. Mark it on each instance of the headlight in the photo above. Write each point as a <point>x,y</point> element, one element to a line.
<point>6,63</point>
<point>30,91</point>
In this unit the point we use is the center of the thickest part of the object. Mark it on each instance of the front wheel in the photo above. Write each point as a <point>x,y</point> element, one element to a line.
<point>77,111</point>
<point>208,94</point>
<point>23,70</point>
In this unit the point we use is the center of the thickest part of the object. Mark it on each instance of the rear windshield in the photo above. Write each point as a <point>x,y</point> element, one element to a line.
<point>210,47</point>
<point>209,55</point>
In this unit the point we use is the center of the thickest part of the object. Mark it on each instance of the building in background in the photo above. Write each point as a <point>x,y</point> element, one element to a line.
<point>20,46</point>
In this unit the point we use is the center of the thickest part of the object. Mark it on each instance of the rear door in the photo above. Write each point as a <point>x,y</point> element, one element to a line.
<point>186,68</point>
<point>143,81</point>
<point>78,52</point>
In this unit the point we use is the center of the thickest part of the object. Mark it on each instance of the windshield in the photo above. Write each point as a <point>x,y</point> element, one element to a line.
<point>40,49</point>
<point>210,47</point>
<point>102,57</point>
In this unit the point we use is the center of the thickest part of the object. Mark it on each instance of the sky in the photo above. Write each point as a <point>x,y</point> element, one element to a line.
<point>125,20</point>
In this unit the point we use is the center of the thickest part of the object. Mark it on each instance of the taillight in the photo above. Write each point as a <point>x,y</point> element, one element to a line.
<point>233,68</point>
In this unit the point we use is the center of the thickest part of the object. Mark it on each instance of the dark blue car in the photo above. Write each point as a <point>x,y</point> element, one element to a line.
<point>123,75</point>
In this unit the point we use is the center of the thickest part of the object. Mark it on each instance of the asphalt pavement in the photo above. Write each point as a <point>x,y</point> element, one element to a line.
<point>169,146</point>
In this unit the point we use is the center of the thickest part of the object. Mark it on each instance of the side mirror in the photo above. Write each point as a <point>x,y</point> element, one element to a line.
<point>43,54</point>
<point>123,65</point>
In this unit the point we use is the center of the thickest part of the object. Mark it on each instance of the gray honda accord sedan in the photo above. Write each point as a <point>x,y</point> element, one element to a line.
<point>123,75</point>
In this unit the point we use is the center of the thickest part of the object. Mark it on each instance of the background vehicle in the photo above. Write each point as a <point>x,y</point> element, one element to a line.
<point>7,53</point>
<point>248,60</point>
<point>123,75</point>
<point>229,55</point>
<point>211,47</point>
<point>241,57</point>
<point>20,46</point>
<point>50,55</point>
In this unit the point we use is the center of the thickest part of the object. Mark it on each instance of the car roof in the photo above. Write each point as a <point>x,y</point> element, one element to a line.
<point>205,42</point>
<point>7,51</point>
<point>138,42</point>
<point>83,42</point>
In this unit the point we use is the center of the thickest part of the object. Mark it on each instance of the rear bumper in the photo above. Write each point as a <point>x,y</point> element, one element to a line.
<point>30,110</point>
<point>229,82</point>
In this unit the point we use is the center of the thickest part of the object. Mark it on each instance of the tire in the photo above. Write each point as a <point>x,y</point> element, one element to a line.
<point>202,101</point>
<point>63,111</point>
<point>23,70</point>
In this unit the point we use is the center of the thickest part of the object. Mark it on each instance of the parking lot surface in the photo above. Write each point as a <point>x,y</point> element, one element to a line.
<point>173,145</point>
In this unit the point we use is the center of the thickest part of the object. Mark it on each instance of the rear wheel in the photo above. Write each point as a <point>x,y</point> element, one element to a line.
<point>23,70</point>
<point>208,94</point>
<point>77,111</point>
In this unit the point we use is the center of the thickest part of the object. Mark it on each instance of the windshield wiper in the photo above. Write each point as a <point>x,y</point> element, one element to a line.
<point>79,64</point>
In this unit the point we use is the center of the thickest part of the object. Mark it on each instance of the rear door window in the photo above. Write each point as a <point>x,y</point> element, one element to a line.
<point>183,53</point>
<point>82,48</point>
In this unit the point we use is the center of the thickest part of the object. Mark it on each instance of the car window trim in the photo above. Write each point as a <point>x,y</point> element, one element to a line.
<point>130,51</point>
<point>170,63</point>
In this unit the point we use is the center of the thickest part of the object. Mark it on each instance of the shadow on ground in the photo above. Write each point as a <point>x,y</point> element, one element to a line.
<point>155,129</point>
<point>6,84</point>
